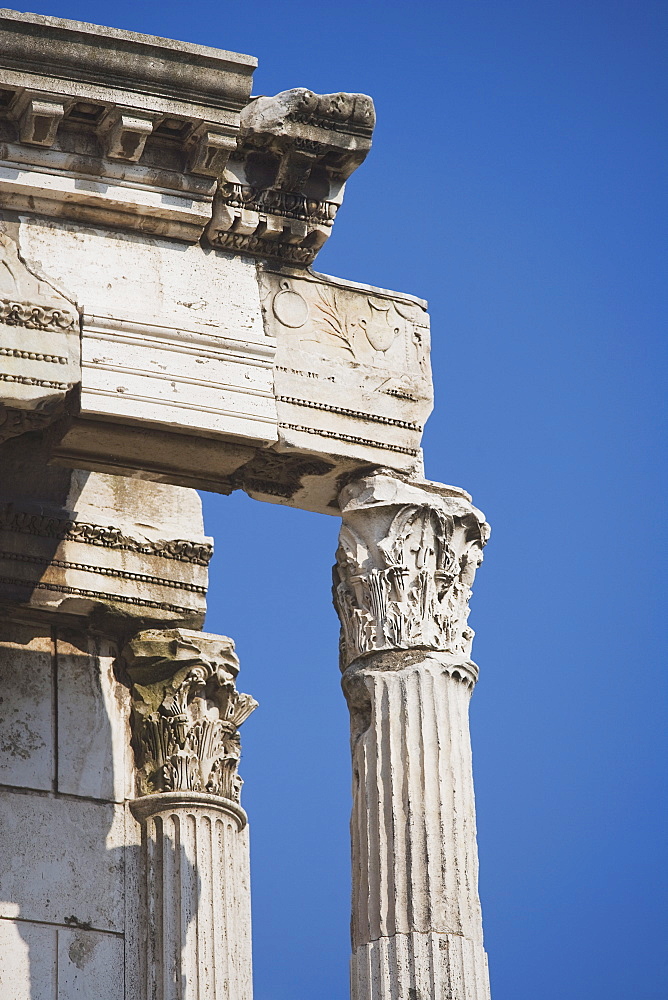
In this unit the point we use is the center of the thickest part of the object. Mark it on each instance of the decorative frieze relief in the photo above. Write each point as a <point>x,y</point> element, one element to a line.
<point>405,565</point>
<point>52,562</point>
<point>186,712</point>
<point>352,367</point>
<point>282,188</point>
<point>35,317</point>
<point>27,522</point>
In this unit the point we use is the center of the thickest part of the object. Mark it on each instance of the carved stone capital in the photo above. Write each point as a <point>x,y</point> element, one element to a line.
<point>406,561</point>
<point>186,712</point>
<point>280,193</point>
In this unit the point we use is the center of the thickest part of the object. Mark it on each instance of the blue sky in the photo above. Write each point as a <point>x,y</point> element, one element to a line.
<point>514,183</point>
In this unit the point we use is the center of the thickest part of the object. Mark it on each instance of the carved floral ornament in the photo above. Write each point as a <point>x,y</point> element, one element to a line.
<point>186,712</point>
<point>348,325</point>
<point>411,588</point>
<point>376,319</point>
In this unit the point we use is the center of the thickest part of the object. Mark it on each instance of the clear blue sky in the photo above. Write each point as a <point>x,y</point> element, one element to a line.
<point>514,182</point>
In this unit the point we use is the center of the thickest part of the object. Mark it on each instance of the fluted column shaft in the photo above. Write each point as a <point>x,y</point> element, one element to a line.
<point>195,876</point>
<point>196,898</point>
<point>405,564</point>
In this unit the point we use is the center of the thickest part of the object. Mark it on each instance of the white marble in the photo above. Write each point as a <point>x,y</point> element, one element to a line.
<point>71,865</point>
<point>405,564</point>
<point>28,960</point>
<point>100,541</point>
<point>196,898</point>
<point>172,335</point>
<point>90,965</point>
<point>352,375</point>
<point>27,758</point>
<point>39,345</point>
<point>94,755</point>
<point>128,130</point>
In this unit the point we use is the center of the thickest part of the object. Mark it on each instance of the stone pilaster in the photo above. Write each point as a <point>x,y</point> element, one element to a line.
<point>405,564</point>
<point>195,879</point>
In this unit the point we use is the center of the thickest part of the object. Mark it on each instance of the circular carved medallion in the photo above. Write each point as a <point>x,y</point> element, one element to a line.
<point>289,307</point>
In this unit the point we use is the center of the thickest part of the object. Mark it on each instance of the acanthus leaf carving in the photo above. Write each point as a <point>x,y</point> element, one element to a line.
<point>186,712</point>
<point>409,586</point>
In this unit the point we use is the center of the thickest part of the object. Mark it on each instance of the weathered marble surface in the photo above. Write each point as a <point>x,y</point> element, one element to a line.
<point>85,544</point>
<point>202,369</point>
<point>195,894</point>
<point>39,346</point>
<point>27,727</point>
<point>156,231</point>
<point>92,700</point>
<point>114,128</point>
<point>172,339</point>
<point>281,189</point>
<point>186,712</point>
<point>352,376</point>
<point>69,883</point>
<point>405,564</point>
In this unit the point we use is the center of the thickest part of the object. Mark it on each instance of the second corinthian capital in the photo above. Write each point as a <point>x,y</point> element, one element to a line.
<point>405,565</point>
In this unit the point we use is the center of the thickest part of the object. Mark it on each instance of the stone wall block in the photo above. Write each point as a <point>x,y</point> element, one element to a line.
<point>28,960</point>
<point>90,965</point>
<point>94,755</point>
<point>71,863</point>
<point>26,708</point>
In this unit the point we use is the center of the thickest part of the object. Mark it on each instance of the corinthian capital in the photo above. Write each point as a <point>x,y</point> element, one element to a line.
<point>406,561</point>
<point>186,712</point>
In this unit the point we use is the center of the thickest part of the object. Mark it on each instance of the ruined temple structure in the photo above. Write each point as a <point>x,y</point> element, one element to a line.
<point>162,330</point>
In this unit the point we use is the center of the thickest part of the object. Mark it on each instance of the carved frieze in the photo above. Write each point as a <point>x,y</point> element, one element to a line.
<point>405,565</point>
<point>351,373</point>
<point>282,188</point>
<point>186,712</point>
<point>39,347</point>
<point>52,562</point>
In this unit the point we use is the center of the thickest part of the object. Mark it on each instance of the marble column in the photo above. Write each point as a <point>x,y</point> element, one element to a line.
<point>405,564</point>
<point>195,856</point>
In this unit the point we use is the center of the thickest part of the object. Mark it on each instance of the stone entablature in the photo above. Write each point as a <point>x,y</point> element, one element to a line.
<point>40,353</point>
<point>276,380</point>
<point>114,128</point>
<point>161,328</point>
<point>117,129</point>
<point>88,546</point>
<point>282,187</point>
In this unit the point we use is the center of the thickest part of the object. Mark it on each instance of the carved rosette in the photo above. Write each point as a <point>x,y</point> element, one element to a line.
<point>186,712</point>
<point>405,565</point>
